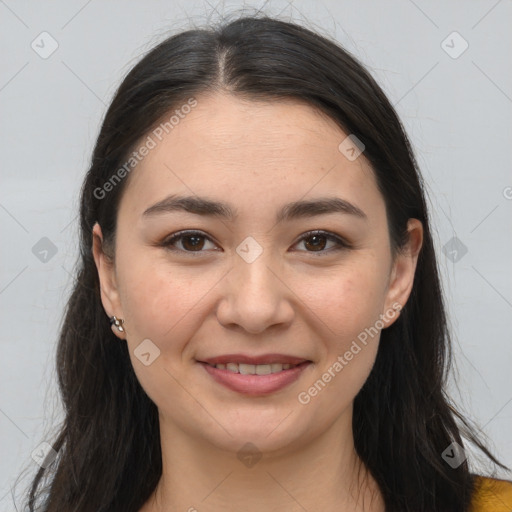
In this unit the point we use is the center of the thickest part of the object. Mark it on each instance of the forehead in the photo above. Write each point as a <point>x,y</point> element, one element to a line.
<point>254,151</point>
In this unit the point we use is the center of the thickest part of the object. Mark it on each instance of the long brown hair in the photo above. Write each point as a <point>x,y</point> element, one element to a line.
<point>109,446</point>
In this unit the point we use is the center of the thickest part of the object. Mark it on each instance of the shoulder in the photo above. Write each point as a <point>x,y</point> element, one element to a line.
<point>491,495</point>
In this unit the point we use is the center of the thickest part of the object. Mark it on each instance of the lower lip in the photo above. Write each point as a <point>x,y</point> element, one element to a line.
<point>256,384</point>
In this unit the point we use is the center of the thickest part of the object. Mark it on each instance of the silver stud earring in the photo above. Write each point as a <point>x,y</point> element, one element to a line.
<point>118,322</point>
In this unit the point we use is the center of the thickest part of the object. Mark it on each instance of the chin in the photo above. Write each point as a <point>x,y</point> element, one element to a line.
<point>275,432</point>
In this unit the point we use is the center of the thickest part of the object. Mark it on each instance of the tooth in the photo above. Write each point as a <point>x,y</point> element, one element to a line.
<point>232,367</point>
<point>263,369</point>
<point>247,369</point>
<point>276,367</point>
<point>254,369</point>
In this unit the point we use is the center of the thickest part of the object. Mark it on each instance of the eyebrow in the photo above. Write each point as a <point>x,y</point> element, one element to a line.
<point>295,210</point>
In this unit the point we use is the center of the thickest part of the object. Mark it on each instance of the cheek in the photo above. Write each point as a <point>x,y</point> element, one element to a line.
<point>346,300</point>
<point>162,304</point>
<point>160,301</point>
<point>348,306</point>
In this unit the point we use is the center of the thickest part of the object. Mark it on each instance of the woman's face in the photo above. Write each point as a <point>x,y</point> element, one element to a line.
<point>251,281</point>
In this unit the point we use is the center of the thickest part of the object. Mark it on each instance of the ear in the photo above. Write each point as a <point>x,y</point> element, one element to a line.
<point>402,273</point>
<point>107,278</point>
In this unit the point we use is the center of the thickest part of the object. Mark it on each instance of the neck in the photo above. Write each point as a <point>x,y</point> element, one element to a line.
<point>323,474</point>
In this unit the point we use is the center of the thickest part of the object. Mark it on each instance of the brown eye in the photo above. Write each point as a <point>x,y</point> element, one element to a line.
<point>317,241</point>
<point>187,241</point>
<point>192,243</point>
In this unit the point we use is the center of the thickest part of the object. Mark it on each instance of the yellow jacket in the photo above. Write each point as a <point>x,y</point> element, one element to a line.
<point>492,495</point>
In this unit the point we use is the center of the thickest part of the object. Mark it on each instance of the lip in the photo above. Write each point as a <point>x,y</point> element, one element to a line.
<point>255,384</point>
<point>247,359</point>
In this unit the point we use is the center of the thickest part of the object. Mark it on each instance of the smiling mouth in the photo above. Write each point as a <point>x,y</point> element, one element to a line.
<point>255,379</point>
<point>254,369</point>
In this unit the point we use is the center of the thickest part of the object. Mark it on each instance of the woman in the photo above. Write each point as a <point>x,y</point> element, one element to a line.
<point>257,321</point>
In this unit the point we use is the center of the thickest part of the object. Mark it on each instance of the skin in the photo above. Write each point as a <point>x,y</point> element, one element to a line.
<point>292,299</point>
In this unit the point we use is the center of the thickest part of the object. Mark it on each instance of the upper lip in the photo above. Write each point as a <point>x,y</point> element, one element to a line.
<point>247,359</point>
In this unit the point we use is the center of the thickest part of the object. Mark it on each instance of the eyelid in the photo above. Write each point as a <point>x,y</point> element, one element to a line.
<point>167,242</point>
<point>340,241</point>
<point>333,237</point>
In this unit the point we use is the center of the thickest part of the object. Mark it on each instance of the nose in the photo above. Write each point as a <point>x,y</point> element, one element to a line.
<point>255,296</point>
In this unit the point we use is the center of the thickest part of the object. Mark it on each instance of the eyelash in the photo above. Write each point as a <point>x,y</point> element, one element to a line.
<point>341,244</point>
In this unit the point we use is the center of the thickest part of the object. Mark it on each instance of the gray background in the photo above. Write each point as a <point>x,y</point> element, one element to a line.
<point>456,109</point>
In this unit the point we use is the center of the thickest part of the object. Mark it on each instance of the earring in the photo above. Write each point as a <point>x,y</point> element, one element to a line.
<point>118,322</point>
